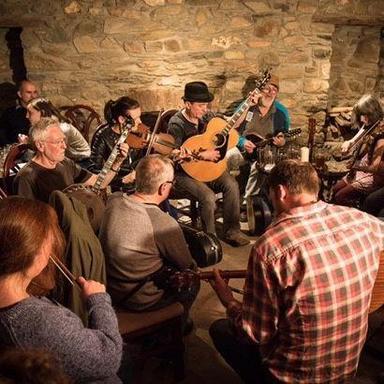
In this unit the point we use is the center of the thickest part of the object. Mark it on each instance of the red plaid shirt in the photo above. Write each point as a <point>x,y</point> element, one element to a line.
<point>307,294</point>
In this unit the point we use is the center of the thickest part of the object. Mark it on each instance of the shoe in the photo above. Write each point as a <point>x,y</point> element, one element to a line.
<point>243,217</point>
<point>236,239</point>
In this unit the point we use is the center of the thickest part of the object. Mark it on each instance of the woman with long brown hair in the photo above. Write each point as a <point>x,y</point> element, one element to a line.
<point>29,238</point>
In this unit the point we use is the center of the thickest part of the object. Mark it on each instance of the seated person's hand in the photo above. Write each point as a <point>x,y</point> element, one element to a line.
<point>90,287</point>
<point>249,146</point>
<point>22,139</point>
<point>130,178</point>
<point>254,97</point>
<point>181,154</point>
<point>221,288</point>
<point>345,146</point>
<point>279,140</point>
<point>123,150</point>
<point>210,155</point>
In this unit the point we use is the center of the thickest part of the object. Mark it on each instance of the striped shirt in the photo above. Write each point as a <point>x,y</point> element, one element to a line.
<point>307,293</point>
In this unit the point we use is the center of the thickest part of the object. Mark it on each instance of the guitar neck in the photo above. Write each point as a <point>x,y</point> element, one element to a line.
<point>228,274</point>
<point>236,116</point>
<point>111,159</point>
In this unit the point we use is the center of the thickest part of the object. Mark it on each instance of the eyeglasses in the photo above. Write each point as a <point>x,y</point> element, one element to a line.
<point>169,182</point>
<point>56,142</point>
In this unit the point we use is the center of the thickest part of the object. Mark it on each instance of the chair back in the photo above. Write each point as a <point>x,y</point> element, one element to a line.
<point>3,195</point>
<point>15,153</point>
<point>164,119</point>
<point>82,117</point>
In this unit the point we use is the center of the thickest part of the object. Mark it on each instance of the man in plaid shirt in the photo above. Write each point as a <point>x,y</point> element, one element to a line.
<point>307,291</point>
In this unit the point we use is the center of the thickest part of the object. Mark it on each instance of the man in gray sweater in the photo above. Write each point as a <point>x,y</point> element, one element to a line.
<point>139,239</point>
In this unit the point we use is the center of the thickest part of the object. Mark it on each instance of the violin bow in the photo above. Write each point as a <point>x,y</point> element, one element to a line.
<point>65,271</point>
<point>153,134</point>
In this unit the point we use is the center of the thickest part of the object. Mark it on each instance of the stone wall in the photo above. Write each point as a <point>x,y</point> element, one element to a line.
<point>93,50</point>
<point>355,63</point>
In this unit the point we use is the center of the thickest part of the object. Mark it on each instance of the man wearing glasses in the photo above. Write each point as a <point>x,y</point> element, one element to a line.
<point>139,239</point>
<point>49,169</point>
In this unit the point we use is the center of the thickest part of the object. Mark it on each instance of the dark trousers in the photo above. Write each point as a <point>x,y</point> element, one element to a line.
<point>240,352</point>
<point>374,203</point>
<point>204,193</point>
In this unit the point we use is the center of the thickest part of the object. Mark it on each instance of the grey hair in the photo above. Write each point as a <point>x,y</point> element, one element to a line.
<point>38,131</point>
<point>151,172</point>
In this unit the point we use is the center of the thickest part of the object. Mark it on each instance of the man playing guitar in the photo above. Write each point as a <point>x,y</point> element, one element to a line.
<point>266,117</point>
<point>184,124</point>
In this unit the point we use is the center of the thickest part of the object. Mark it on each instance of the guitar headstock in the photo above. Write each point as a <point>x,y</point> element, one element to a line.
<point>128,124</point>
<point>263,79</point>
<point>293,133</point>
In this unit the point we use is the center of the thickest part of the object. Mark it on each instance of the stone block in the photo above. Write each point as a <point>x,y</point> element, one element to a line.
<point>73,7</point>
<point>297,57</point>
<point>315,85</point>
<point>153,46</point>
<point>259,7</point>
<point>322,53</point>
<point>290,87</point>
<point>201,17</point>
<point>234,55</point>
<point>134,47</point>
<point>240,22</point>
<point>256,43</point>
<point>172,46</point>
<point>307,6</point>
<point>85,44</point>
<point>297,41</point>
<point>154,3</point>
<point>267,28</point>
<point>225,42</point>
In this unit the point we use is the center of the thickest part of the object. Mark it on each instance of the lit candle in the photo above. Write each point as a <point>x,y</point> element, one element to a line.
<point>304,154</point>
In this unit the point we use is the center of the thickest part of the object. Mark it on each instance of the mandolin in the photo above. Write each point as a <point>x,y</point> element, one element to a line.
<point>260,142</point>
<point>170,278</point>
<point>220,136</point>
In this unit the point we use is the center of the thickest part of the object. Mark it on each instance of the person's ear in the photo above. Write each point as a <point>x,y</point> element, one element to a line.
<point>121,120</point>
<point>281,192</point>
<point>39,145</point>
<point>19,94</point>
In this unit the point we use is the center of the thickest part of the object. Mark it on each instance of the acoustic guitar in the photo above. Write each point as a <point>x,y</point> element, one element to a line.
<point>220,136</point>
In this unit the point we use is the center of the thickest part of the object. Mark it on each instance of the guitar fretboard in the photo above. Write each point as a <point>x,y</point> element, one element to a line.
<point>111,159</point>
<point>245,104</point>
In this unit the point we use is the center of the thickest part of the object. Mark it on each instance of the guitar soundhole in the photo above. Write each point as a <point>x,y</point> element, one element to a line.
<point>219,140</point>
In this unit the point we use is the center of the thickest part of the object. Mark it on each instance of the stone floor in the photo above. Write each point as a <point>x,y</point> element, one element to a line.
<point>205,366</point>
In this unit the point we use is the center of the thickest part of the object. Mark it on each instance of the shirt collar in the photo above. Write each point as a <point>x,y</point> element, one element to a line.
<point>299,212</point>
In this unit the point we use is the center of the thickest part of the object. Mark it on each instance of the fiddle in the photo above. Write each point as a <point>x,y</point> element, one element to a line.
<point>140,137</point>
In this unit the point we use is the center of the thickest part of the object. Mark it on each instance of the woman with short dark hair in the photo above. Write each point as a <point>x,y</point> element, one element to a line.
<point>117,113</point>
<point>29,237</point>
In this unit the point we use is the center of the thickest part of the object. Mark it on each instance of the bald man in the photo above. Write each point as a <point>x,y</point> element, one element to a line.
<point>14,120</point>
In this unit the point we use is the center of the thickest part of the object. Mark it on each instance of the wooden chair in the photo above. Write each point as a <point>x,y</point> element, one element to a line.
<point>146,328</point>
<point>3,195</point>
<point>164,119</point>
<point>83,117</point>
<point>15,153</point>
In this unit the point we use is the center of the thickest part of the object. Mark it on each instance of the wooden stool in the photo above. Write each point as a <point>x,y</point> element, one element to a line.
<point>167,321</point>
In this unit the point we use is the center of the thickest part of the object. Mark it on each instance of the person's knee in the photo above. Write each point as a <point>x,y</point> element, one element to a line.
<point>208,200</point>
<point>218,329</point>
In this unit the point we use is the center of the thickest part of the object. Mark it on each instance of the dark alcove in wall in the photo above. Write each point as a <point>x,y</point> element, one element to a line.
<point>8,91</point>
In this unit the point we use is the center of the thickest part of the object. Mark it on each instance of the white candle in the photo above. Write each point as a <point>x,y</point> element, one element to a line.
<point>304,154</point>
